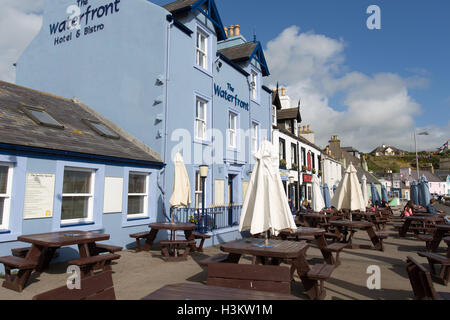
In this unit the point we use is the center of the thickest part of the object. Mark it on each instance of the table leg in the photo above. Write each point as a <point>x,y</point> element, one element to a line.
<point>84,250</point>
<point>437,239</point>
<point>404,230</point>
<point>322,244</point>
<point>312,287</point>
<point>45,259</point>
<point>375,239</point>
<point>150,240</point>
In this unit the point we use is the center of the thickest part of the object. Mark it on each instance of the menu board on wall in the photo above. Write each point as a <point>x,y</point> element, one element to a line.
<point>39,196</point>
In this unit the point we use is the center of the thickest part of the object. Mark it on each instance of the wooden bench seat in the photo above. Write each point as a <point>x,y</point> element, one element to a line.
<point>220,258</point>
<point>17,282</point>
<point>437,259</point>
<point>421,282</point>
<point>98,287</point>
<point>202,237</point>
<point>20,252</point>
<point>336,248</point>
<point>321,273</point>
<point>90,264</point>
<point>142,236</point>
<point>170,249</point>
<point>274,279</point>
<point>106,248</point>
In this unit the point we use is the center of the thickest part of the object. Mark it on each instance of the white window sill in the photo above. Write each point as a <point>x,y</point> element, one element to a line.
<point>81,226</point>
<point>257,102</point>
<point>136,222</point>
<point>202,142</point>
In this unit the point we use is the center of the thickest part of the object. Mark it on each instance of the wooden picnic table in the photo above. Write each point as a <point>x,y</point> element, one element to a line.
<point>349,228</point>
<point>44,247</point>
<point>432,219</point>
<point>188,228</point>
<point>318,234</point>
<point>198,292</point>
<point>277,252</point>
<point>314,219</point>
<point>170,248</point>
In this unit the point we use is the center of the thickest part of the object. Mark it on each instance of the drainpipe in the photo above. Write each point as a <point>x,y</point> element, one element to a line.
<point>166,134</point>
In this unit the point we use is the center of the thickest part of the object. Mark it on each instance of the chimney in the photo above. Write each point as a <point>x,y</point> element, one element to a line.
<point>231,31</point>
<point>335,147</point>
<point>237,30</point>
<point>226,31</point>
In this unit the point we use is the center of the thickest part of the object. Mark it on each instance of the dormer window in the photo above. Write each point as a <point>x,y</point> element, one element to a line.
<point>38,115</point>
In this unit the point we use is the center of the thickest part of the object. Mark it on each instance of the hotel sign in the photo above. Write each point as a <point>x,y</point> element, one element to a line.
<point>230,96</point>
<point>83,20</point>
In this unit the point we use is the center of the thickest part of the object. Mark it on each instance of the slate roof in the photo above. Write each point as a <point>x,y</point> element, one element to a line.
<point>17,129</point>
<point>289,114</point>
<point>240,52</point>
<point>430,176</point>
<point>179,5</point>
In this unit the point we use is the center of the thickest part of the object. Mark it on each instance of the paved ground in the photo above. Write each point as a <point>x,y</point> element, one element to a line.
<point>138,274</point>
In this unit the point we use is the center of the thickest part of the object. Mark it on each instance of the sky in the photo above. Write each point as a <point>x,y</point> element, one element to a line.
<point>369,87</point>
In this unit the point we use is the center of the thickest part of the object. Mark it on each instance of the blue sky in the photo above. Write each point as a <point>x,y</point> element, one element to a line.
<point>367,86</point>
<point>414,43</point>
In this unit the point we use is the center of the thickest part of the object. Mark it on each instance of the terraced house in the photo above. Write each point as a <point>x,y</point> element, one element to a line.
<point>175,78</point>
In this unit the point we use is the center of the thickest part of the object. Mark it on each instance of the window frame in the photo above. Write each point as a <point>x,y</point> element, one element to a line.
<point>234,131</point>
<point>255,75</point>
<point>146,195</point>
<point>198,120</point>
<point>5,223</point>
<point>90,196</point>
<point>294,152</point>
<point>27,110</point>
<point>90,124</point>
<point>202,32</point>
<point>282,155</point>
<point>257,138</point>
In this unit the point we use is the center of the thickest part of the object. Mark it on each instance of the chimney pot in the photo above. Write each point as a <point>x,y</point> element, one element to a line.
<point>237,30</point>
<point>231,31</point>
<point>226,31</point>
<point>283,91</point>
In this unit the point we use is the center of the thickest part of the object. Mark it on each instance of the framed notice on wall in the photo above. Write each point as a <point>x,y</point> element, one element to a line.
<point>39,196</point>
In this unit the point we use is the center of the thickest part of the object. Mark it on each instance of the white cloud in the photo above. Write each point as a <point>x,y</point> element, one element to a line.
<point>20,21</point>
<point>376,109</point>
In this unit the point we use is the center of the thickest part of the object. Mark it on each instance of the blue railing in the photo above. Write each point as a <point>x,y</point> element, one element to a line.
<point>214,219</point>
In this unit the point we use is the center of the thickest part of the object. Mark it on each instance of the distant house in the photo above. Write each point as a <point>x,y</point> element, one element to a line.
<point>387,151</point>
<point>436,185</point>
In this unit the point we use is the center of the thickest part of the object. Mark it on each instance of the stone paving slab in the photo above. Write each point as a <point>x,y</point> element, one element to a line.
<point>138,274</point>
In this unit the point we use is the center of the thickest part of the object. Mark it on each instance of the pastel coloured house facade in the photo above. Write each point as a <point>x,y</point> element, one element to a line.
<point>174,77</point>
<point>65,167</point>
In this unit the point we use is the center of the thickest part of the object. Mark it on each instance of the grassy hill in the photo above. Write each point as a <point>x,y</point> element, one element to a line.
<point>380,164</point>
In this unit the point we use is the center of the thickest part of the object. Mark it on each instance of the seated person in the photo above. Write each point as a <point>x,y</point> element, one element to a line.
<point>431,209</point>
<point>408,211</point>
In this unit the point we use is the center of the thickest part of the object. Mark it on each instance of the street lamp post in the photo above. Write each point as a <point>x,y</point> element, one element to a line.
<point>291,181</point>
<point>203,175</point>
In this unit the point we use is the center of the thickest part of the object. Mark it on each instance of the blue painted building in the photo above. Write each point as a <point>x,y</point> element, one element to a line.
<point>172,76</point>
<point>65,167</point>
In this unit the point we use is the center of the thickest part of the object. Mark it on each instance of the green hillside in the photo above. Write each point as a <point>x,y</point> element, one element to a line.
<point>395,163</point>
